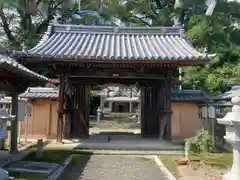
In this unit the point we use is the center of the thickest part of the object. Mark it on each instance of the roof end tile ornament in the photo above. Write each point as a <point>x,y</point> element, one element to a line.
<point>57,19</point>
<point>177,23</point>
<point>205,51</point>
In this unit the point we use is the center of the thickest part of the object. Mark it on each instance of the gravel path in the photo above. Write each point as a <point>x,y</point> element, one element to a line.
<point>115,167</point>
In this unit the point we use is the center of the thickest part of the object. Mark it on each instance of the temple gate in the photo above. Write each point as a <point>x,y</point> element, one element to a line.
<point>81,56</point>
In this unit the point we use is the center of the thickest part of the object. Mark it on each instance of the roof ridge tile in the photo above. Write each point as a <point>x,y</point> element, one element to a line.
<point>113,29</point>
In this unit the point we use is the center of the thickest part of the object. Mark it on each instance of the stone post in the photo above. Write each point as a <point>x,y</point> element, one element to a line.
<point>131,103</point>
<point>99,114</point>
<point>232,123</point>
<point>130,107</point>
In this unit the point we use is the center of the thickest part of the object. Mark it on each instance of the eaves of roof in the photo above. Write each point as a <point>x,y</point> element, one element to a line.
<point>10,64</point>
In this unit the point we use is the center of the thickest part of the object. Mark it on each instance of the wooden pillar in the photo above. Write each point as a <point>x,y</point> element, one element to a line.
<point>168,135</point>
<point>154,110</point>
<point>149,111</point>
<point>165,110</point>
<point>162,110</point>
<point>60,109</point>
<point>14,124</point>
<point>87,107</point>
<point>80,127</point>
<point>69,107</point>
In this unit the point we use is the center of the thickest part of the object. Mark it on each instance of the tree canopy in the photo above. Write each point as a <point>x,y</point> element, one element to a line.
<point>24,21</point>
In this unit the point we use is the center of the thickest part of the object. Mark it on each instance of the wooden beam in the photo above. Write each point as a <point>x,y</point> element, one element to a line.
<point>14,124</point>
<point>148,73</point>
<point>119,76</point>
<point>184,62</point>
<point>102,81</point>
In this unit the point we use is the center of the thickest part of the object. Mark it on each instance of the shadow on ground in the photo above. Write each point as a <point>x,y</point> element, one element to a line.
<point>75,169</point>
<point>54,155</point>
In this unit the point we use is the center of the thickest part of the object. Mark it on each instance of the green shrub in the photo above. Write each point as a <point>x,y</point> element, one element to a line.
<point>201,143</point>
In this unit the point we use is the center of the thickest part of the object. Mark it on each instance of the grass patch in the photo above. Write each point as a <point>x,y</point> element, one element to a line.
<point>79,159</point>
<point>75,167</point>
<point>221,160</point>
<point>27,176</point>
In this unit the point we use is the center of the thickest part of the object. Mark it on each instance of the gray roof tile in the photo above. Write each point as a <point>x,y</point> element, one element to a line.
<point>115,43</point>
<point>8,63</point>
<point>40,93</point>
<point>189,95</point>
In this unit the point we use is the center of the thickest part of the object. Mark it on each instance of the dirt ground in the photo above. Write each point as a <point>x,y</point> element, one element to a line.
<point>116,121</point>
<point>201,172</point>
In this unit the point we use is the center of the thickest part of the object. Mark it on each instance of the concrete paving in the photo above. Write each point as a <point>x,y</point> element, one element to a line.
<point>134,145</point>
<point>115,167</point>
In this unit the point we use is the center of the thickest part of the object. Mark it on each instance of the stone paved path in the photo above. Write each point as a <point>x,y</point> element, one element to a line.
<point>115,167</point>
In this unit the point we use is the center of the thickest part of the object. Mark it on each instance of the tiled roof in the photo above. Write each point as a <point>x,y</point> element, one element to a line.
<point>71,42</point>
<point>9,64</point>
<point>189,95</point>
<point>40,93</point>
<point>177,95</point>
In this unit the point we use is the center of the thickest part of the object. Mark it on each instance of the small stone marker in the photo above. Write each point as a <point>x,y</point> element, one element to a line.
<point>39,148</point>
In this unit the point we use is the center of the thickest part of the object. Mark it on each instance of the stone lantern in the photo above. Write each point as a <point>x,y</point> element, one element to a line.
<point>4,119</point>
<point>232,123</point>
